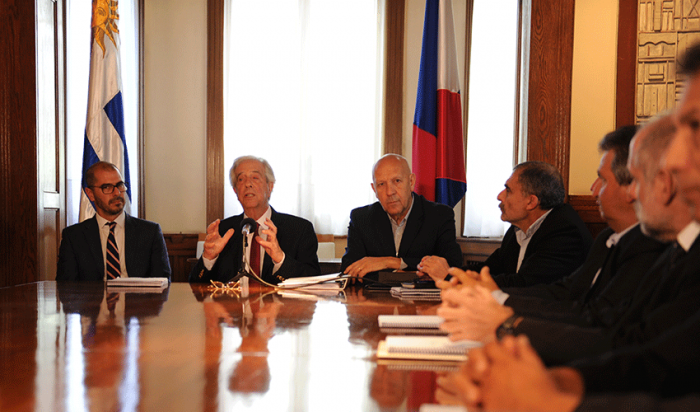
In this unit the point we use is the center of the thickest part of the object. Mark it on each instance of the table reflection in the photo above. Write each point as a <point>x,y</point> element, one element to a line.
<point>79,347</point>
<point>101,376</point>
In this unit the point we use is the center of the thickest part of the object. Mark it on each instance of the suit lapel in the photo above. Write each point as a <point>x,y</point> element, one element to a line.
<point>129,245</point>
<point>92,239</point>
<point>382,231</point>
<point>413,226</point>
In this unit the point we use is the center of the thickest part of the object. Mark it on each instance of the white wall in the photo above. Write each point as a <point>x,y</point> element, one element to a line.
<point>593,88</point>
<point>175,99</point>
<point>175,46</point>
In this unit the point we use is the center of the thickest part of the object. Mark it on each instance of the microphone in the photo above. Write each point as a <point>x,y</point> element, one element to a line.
<point>248,226</point>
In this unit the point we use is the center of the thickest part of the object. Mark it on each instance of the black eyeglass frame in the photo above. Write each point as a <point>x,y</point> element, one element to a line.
<point>108,188</point>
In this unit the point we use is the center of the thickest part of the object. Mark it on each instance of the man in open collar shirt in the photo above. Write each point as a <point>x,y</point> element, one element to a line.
<point>396,232</point>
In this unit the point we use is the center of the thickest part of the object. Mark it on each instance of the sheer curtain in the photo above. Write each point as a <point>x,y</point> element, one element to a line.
<point>303,90</point>
<point>78,35</point>
<point>492,109</point>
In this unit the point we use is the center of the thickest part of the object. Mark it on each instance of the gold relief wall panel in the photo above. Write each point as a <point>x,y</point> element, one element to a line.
<point>666,28</point>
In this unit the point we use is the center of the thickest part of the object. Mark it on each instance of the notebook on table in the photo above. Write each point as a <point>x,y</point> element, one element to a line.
<point>438,348</point>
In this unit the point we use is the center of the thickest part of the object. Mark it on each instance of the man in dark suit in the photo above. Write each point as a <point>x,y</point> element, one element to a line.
<point>547,239</point>
<point>620,252</point>
<point>396,232</point>
<point>667,365</point>
<point>283,247</point>
<point>86,248</point>
<point>647,302</point>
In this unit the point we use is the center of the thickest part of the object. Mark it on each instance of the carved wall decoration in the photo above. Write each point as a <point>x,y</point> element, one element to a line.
<point>666,29</point>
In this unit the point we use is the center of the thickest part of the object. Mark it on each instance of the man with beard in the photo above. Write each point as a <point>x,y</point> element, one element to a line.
<point>547,239</point>
<point>111,244</point>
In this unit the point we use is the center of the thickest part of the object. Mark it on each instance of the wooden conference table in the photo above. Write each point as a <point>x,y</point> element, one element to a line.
<point>77,346</point>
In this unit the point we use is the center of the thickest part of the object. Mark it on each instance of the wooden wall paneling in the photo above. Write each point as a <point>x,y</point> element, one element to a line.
<point>18,143</point>
<point>181,249</point>
<point>393,76</point>
<point>626,63</point>
<point>215,110</point>
<point>587,209</point>
<point>549,85</point>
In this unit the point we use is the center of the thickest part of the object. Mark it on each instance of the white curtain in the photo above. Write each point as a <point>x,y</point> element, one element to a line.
<point>78,38</point>
<point>303,89</point>
<point>491,121</point>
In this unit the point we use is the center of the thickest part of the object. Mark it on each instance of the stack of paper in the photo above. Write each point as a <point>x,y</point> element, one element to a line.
<point>411,324</point>
<point>332,282</point>
<point>138,284</point>
<point>415,294</point>
<point>424,348</point>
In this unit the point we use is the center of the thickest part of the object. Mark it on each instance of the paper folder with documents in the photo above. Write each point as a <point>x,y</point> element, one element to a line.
<point>438,348</point>
<point>156,283</point>
<point>321,283</point>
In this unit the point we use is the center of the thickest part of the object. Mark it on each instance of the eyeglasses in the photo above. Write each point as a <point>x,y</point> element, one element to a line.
<point>109,188</point>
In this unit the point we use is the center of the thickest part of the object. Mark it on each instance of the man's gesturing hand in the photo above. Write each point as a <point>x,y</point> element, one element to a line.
<point>213,242</point>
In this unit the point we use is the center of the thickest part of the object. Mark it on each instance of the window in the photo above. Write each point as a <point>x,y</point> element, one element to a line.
<point>78,36</point>
<point>491,126</point>
<point>303,90</point>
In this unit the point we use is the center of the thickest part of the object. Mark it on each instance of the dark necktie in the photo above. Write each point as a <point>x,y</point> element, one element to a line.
<point>113,266</point>
<point>255,252</point>
<point>677,255</point>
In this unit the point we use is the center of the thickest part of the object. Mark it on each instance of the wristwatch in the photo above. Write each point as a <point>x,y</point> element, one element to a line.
<point>508,326</point>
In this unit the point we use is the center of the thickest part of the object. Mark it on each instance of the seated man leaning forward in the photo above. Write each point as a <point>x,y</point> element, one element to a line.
<point>111,244</point>
<point>402,227</point>
<point>547,239</point>
<point>283,247</point>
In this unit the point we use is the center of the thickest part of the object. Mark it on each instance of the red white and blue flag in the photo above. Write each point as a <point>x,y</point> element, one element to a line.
<point>438,149</point>
<point>104,129</point>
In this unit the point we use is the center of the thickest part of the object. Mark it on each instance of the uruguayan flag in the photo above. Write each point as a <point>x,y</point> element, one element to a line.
<point>104,129</point>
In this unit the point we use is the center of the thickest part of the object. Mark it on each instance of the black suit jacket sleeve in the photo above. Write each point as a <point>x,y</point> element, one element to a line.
<point>558,248</point>
<point>638,402</point>
<point>666,296</point>
<point>430,230</point>
<point>146,253</point>
<point>71,265</point>
<point>296,237</point>
<point>568,288</point>
<point>668,365</point>
<point>300,250</point>
<point>573,299</point>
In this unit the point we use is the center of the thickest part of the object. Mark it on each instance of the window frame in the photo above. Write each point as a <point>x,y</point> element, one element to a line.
<point>548,88</point>
<point>393,90</point>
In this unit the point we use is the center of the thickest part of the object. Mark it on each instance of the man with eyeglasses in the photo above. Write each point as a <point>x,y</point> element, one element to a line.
<point>111,244</point>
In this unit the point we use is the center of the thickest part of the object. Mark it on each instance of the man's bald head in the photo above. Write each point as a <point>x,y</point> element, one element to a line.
<point>393,182</point>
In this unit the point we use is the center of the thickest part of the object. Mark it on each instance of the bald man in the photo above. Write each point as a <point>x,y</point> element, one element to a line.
<point>396,232</point>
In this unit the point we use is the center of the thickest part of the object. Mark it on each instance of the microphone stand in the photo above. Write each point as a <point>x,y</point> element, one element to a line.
<point>243,273</point>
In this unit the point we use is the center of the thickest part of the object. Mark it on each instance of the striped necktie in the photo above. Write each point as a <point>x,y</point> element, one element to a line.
<point>113,266</point>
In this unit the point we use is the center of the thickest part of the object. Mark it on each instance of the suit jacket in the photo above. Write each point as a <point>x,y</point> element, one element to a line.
<point>80,254</point>
<point>295,236</point>
<point>557,248</point>
<point>430,230</point>
<point>666,295</point>
<point>573,299</point>
<point>668,365</point>
<point>638,402</point>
